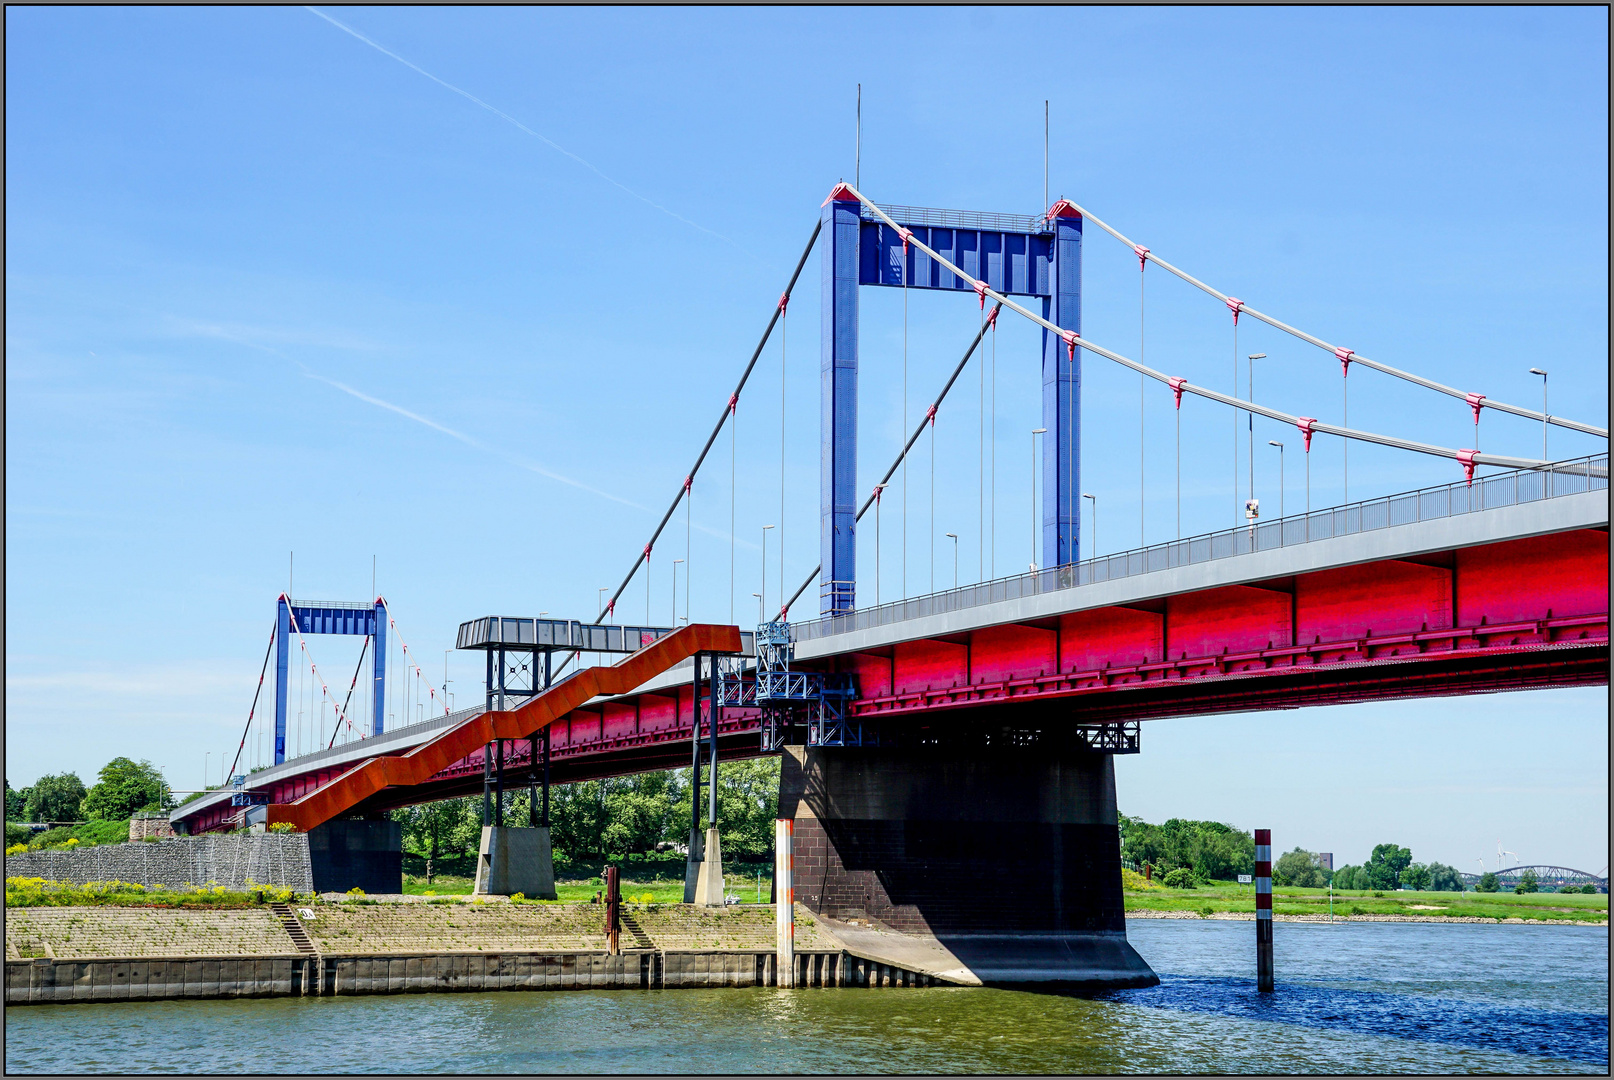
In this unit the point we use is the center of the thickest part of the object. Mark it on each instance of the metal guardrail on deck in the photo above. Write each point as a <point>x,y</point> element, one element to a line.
<point>1426,504</point>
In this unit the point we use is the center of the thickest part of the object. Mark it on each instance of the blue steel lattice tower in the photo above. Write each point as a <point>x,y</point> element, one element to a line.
<point>1038,256</point>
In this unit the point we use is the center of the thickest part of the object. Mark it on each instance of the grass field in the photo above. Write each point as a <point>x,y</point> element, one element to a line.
<point>662,879</point>
<point>1230,897</point>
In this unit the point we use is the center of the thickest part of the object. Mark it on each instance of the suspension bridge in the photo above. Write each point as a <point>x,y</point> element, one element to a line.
<point>969,733</point>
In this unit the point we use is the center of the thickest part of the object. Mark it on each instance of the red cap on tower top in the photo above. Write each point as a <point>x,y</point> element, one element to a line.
<point>1063,209</point>
<point>841,192</point>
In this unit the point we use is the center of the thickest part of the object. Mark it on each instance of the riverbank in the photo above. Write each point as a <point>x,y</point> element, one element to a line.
<point>63,954</point>
<point>1226,900</point>
<point>1240,916</point>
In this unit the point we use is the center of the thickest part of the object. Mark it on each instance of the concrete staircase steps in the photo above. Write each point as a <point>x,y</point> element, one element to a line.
<point>294,928</point>
<point>641,940</point>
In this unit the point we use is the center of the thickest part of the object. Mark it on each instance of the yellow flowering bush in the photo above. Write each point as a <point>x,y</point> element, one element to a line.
<point>38,892</point>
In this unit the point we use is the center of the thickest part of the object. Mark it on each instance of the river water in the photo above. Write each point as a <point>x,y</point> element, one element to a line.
<point>1351,998</point>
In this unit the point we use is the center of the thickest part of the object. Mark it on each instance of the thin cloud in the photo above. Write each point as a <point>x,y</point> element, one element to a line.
<point>472,442</point>
<point>546,140</point>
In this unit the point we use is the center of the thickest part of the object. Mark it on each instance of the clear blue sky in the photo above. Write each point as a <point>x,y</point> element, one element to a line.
<point>269,288</point>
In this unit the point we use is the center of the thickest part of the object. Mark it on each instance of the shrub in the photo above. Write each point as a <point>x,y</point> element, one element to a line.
<point>1133,881</point>
<point>50,838</point>
<point>356,892</point>
<point>17,834</point>
<point>37,892</point>
<point>1180,878</point>
<point>16,849</point>
<point>282,827</point>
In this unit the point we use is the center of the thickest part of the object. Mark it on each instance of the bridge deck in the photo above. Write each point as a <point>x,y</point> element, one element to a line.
<point>1508,597</point>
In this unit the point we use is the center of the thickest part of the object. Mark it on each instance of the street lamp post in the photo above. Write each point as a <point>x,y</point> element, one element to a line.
<point>764,592</point>
<point>759,607</point>
<point>878,490</point>
<point>1034,433</point>
<point>955,558</point>
<point>1279,445</point>
<point>1094,499</point>
<point>1250,387</point>
<point>1543,374</point>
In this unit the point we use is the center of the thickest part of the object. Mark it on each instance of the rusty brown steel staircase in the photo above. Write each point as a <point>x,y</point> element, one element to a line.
<point>420,763</point>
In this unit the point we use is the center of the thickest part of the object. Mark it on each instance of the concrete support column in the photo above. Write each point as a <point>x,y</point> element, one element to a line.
<point>709,881</point>
<point>511,860</point>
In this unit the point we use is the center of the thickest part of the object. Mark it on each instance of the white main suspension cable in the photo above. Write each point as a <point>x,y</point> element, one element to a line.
<point>1345,356</point>
<point>1468,458</point>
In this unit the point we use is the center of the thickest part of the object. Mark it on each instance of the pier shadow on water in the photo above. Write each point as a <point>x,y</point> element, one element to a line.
<point>1558,1034</point>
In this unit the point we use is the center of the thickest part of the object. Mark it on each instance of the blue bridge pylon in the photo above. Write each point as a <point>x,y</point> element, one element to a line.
<point>328,617</point>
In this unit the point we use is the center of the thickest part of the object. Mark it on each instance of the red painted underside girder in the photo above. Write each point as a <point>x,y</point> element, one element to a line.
<point>1515,615</point>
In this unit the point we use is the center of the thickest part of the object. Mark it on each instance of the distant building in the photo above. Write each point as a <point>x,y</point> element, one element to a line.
<point>1325,859</point>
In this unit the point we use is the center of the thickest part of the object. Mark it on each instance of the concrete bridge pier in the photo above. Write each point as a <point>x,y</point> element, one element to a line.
<point>984,863</point>
<point>512,860</point>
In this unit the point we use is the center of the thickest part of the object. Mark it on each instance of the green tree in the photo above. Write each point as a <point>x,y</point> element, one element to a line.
<point>125,787</point>
<point>1385,866</point>
<point>1299,868</point>
<point>1212,850</point>
<point>1527,883</point>
<point>1180,878</point>
<point>1487,883</point>
<point>55,798</point>
<point>448,829</point>
<point>1350,878</point>
<point>1416,876</point>
<point>1443,878</point>
<point>747,804</point>
<point>15,800</point>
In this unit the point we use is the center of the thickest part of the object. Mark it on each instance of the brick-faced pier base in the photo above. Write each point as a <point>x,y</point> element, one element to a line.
<point>1008,857</point>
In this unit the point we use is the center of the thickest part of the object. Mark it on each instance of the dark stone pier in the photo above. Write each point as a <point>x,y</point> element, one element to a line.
<point>1006,857</point>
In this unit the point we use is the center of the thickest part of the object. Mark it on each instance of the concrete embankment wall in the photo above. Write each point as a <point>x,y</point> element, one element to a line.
<point>232,861</point>
<point>50,981</point>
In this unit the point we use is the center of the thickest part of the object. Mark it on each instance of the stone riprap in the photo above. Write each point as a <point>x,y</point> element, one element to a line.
<point>68,933</point>
<point>275,859</point>
<point>71,954</point>
<point>745,926</point>
<point>454,927</point>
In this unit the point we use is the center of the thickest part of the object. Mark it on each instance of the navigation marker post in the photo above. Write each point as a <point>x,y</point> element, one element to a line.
<point>1263,911</point>
<point>784,901</point>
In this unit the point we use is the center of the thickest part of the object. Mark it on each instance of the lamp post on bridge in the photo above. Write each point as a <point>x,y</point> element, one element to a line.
<point>764,591</point>
<point>1034,433</point>
<point>1250,416</point>
<point>1543,374</point>
<point>878,489</point>
<point>1094,500</point>
<point>1279,445</point>
<point>955,558</point>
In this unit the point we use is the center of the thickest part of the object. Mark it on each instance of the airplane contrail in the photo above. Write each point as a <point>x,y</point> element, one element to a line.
<point>514,459</point>
<point>501,114</point>
<point>472,442</point>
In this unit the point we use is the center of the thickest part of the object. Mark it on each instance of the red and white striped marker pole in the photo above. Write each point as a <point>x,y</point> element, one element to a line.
<point>1263,911</point>
<point>784,896</point>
